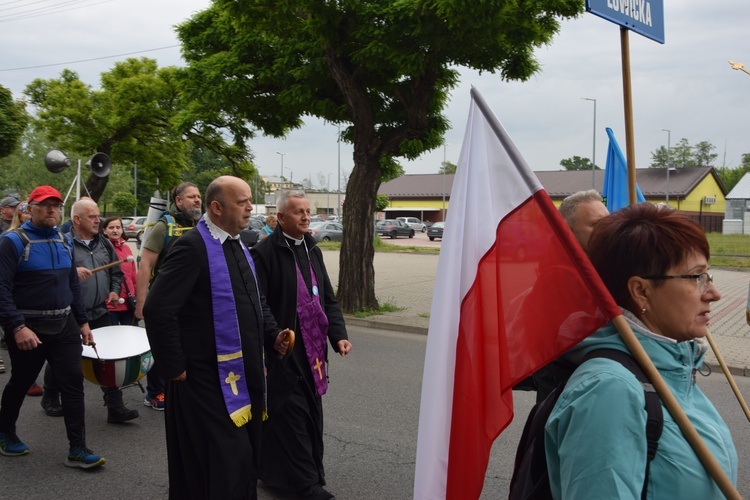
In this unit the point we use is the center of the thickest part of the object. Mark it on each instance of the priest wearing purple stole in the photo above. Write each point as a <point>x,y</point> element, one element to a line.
<point>293,278</point>
<point>208,327</point>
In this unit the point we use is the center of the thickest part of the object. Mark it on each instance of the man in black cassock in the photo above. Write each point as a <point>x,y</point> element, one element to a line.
<point>207,324</point>
<point>294,280</point>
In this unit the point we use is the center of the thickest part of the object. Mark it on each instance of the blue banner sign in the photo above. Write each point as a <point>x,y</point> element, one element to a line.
<point>645,17</point>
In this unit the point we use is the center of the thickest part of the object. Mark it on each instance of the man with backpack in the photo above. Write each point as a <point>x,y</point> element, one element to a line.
<point>44,318</point>
<point>92,250</point>
<point>185,213</point>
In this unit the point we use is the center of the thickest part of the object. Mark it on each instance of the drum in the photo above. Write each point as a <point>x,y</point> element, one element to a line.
<point>124,356</point>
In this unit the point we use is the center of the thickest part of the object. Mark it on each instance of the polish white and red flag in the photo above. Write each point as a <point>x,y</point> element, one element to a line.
<point>513,291</point>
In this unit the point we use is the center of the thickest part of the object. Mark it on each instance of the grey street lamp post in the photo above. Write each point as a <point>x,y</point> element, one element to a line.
<point>445,169</point>
<point>328,195</point>
<point>593,153</point>
<point>282,163</point>
<point>669,145</point>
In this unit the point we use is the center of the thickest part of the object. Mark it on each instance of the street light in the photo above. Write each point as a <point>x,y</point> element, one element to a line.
<point>739,66</point>
<point>338,204</point>
<point>669,145</point>
<point>593,153</point>
<point>445,149</point>
<point>282,163</point>
<point>291,175</point>
<point>328,196</point>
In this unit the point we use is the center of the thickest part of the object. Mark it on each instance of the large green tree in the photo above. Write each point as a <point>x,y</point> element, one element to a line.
<point>683,154</point>
<point>133,117</point>
<point>13,121</point>
<point>380,68</point>
<point>577,163</point>
<point>731,176</point>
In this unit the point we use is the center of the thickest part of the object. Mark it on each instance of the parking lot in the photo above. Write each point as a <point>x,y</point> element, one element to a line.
<point>420,239</point>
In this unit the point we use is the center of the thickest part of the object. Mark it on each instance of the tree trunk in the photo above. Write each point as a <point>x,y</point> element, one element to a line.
<point>95,186</point>
<point>356,291</point>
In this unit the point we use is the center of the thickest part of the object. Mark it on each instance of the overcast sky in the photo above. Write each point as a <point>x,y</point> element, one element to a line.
<point>685,85</point>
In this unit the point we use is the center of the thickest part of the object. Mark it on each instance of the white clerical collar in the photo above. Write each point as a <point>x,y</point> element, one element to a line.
<point>217,232</point>
<point>296,241</point>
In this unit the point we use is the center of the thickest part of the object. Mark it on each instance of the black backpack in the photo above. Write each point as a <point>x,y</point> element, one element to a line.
<point>530,476</point>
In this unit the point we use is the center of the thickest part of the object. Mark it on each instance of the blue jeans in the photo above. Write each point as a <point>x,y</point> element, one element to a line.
<point>63,353</point>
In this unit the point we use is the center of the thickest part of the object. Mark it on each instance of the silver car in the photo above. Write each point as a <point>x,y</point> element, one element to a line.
<point>414,223</point>
<point>326,231</point>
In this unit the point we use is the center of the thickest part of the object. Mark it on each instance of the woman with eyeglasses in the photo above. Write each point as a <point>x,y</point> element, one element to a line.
<point>654,262</point>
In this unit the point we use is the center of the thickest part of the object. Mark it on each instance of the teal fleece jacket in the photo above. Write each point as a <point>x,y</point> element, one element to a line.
<point>595,438</point>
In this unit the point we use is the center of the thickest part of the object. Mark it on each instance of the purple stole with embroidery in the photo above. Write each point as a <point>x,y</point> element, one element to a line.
<point>229,357</point>
<point>313,324</point>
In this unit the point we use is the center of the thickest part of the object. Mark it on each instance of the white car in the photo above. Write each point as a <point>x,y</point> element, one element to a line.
<point>414,223</point>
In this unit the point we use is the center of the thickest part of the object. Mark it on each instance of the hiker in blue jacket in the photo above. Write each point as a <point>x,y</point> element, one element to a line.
<point>654,262</point>
<point>44,318</point>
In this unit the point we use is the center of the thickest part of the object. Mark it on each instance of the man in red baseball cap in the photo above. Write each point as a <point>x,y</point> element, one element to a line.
<point>44,319</point>
<point>42,193</point>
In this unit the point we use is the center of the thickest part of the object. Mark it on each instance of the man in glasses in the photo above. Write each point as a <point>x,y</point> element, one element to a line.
<point>44,318</point>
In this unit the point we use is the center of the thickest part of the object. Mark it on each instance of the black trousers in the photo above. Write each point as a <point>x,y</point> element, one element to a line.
<point>63,353</point>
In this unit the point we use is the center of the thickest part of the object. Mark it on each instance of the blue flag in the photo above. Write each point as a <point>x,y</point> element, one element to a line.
<point>615,187</point>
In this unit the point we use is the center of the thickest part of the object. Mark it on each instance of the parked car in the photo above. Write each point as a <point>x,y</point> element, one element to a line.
<point>436,231</point>
<point>315,218</point>
<point>414,223</point>
<point>393,228</point>
<point>326,231</point>
<point>134,229</point>
<point>253,232</point>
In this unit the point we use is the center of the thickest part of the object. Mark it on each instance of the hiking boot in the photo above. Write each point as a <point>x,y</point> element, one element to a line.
<point>11,446</point>
<point>315,492</point>
<point>155,402</point>
<point>120,414</point>
<point>52,407</point>
<point>35,390</point>
<point>83,458</point>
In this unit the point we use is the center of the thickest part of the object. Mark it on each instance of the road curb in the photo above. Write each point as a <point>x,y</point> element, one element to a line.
<point>368,323</point>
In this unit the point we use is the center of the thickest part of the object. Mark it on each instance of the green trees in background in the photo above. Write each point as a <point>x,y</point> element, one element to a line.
<point>13,120</point>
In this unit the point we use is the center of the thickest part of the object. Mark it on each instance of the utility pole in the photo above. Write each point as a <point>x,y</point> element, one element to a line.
<point>593,153</point>
<point>669,146</point>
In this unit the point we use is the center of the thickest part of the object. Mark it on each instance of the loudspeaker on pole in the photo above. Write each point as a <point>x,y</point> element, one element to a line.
<point>56,161</point>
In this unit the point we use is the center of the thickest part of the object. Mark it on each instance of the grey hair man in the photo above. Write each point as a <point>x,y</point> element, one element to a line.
<point>581,210</point>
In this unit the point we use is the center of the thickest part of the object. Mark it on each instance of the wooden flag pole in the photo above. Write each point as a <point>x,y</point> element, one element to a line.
<point>627,99</point>
<point>730,379</point>
<point>686,426</point>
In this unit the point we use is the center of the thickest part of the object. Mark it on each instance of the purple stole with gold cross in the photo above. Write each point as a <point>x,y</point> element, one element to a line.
<point>230,361</point>
<point>313,324</point>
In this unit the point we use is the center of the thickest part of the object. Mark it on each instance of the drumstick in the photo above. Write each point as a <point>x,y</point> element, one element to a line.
<point>113,264</point>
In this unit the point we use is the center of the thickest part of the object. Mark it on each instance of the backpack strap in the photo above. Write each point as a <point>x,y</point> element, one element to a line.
<point>26,242</point>
<point>654,413</point>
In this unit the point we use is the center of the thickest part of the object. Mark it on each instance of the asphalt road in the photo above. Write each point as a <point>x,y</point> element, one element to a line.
<point>371,420</point>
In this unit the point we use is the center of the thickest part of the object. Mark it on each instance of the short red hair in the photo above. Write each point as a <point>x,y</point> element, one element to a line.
<point>642,240</point>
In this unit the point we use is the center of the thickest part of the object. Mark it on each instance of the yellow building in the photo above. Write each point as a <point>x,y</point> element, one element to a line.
<point>696,191</point>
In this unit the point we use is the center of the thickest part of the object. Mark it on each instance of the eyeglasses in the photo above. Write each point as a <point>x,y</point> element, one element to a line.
<point>702,280</point>
<point>53,206</point>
